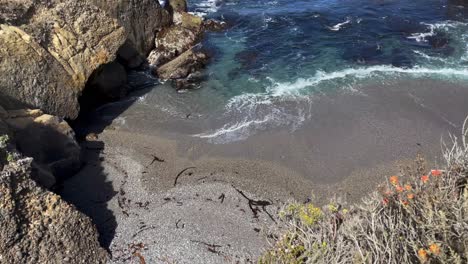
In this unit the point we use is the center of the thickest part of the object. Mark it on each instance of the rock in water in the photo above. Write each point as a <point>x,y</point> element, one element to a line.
<point>170,42</point>
<point>38,226</point>
<point>48,53</point>
<point>185,64</point>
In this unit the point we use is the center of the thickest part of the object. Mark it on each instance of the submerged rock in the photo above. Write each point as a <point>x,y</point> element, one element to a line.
<point>214,25</point>
<point>38,226</point>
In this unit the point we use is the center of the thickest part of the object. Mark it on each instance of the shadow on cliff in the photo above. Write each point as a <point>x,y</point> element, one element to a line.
<point>90,190</point>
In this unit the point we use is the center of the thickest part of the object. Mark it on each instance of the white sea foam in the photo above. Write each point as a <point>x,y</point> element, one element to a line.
<point>282,105</point>
<point>338,26</point>
<point>206,7</point>
<point>434,28</point>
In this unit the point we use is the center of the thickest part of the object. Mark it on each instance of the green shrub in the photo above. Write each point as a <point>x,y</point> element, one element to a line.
<point>415,217</point>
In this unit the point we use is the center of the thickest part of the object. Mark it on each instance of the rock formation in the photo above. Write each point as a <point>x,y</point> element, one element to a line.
<point>178,54</point>
<point>49,51</point>
<point>37,226</point>
<point>141,21</point>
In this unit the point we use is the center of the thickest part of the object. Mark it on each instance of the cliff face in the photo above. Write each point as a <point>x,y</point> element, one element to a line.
<point>67,40</point>
<point>141,19</point>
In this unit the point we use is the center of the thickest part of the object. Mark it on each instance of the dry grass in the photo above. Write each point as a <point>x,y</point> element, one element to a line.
<point>419,216</point>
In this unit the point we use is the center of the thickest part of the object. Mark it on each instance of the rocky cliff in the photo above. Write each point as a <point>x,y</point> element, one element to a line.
<point>49,50</point>
<point>37,226</point>
<point>51,54</point>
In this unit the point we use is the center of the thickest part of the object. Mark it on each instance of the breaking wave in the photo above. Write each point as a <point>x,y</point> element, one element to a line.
<point>288,104</point>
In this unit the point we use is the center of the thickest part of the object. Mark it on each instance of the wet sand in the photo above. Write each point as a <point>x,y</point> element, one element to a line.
<point>352,142</point>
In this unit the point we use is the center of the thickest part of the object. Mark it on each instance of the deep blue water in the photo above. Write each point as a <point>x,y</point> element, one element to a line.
<point>276,55</point>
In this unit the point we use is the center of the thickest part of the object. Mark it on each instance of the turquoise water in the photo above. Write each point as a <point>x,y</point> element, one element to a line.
<point>277,55</point>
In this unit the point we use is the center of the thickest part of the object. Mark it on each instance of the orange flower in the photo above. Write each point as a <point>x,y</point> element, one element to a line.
<point>408,187</point>
<point>394,180</point>
<point>399,188</point>
<point>410,196</point>
<point>424,178</point>
<point>385,201</point>
<point>422,255</point>
<point>435,249</point>
<point>404,202</point>
<point>436,173</point>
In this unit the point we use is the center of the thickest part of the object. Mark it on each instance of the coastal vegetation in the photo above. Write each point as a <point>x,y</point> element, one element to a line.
<point>419,216</point>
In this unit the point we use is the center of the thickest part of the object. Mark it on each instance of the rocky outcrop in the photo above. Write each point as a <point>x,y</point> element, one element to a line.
<point>187,63</point>
<point>37,226</point>
<point>49,50</point>
<point>174,56</point>
<point>174,41</point>
<point>48,139</point>
<point>141,20</point>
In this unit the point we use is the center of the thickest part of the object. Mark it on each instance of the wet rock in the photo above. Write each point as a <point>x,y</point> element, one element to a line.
<point>69,39</point>
<point>368,54</point>
<point>214,25</point>
<point>38,226</point>
<point>172,42</point>
<point>247,57</point>
<point>438,41</point>
<point>192,81</point>
<point>188,62</point>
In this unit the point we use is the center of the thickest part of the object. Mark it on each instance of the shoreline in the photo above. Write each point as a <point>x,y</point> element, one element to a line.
<point>346,154</point>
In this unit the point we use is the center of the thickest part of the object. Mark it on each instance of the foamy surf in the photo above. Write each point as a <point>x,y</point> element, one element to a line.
<point>285,104</point>
<point>338,26</point>
<point>205,7</point>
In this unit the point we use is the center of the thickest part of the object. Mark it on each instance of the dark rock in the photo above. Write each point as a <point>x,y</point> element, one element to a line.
<point>109,81</point>
<point>128,56</point>
<point>189,62</point>
<point>438,41</point>
<point>214,25</point>
<point>363,53</point>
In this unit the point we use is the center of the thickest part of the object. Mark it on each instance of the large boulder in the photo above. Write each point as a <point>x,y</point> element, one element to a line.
<point>170,42</point>
<point>49,49</point>
<point>49,140</point>
<point>38,226</point>
<point>187,63</point>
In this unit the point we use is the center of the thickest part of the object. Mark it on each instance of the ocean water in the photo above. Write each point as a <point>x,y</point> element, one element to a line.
<point>277,56</point>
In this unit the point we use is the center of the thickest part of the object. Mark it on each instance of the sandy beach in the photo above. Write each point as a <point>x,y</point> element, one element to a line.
<point>167,196</point>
